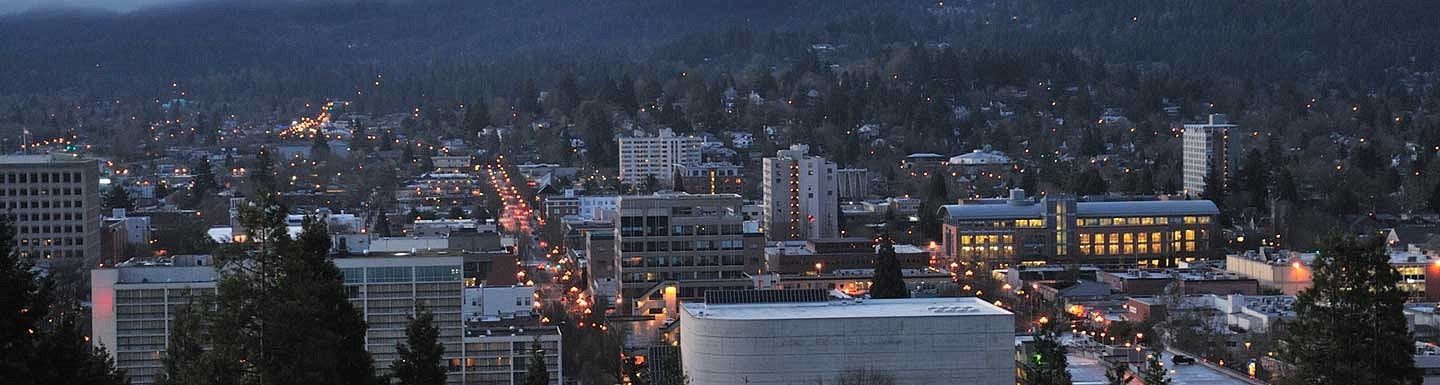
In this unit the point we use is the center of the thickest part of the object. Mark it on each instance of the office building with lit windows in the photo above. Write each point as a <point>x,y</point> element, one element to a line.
<point>1061,230</point>
<point>1206,152</point>
<point>799,194</point>
<point>698,242</point>
<point>55,203</point>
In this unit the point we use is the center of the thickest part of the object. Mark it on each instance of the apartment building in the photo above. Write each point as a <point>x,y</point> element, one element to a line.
<point>799,195</point>
<point>642,157</point>
<point>1206,151</point>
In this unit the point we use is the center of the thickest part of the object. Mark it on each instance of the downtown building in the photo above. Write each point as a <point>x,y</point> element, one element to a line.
<point>1206,153</point>
<point>801,336</point>
<point>54,201</point>
<point>678,245</point>
<point>799,195</point>
<point>1060,230</point>
<point>644,157</point>
<point>135,306</point>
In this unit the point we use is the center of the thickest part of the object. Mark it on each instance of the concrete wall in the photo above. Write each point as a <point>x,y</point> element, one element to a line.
<point>972,349</point>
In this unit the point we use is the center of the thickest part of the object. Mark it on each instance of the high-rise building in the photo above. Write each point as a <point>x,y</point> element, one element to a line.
<point>1060,230</point>
<point>698,241</point>
<point>134,306</point>
<point>642,157</point>
<point>1206,152</point>
<point>386,290</point>
<point>854,183</point>
<point>799,196</point>
<point>55,202</point>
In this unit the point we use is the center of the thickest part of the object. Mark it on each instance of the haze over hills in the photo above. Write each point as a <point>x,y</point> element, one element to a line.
<point>322,47</point>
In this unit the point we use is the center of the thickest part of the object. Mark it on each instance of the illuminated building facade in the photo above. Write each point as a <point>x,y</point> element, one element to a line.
<point>1206,150</point>
<point>1120,234</point>
<point>799,195</point>
<point>699,241</point>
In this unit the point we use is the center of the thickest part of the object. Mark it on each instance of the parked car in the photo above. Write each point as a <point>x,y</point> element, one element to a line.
<point>1182,360</point>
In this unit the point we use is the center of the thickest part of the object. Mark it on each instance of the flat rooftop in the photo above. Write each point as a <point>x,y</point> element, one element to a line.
<point>38,159</point>
<point>871,308</point>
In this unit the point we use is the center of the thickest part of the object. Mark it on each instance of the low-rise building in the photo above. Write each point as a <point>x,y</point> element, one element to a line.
<point>798,336</point>
<point>1061,230</point>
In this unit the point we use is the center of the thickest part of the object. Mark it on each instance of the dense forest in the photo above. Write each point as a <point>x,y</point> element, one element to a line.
<point>444,47</point>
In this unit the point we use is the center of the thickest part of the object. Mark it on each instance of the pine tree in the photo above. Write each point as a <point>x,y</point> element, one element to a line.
<point>40,341</point>
<point>280,313</point>
<point>936,196</point>
<point>65,356</point>
<point>117,197</point>
<point>536,372</point>
<point>420,354</point>
<point>203,181</point>
<point>1434,200</point>
<point>263,176</point>
<point>1049,365</point>
<point>24,304</point>
<point>887,281</point>
<point>1118,373</point>
<point>1354,298</point>
<point>382,224</point>
<point>477,116</point>
<point>1153,373</point>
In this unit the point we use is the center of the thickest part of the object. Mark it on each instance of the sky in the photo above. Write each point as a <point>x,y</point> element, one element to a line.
<point>10,6</point>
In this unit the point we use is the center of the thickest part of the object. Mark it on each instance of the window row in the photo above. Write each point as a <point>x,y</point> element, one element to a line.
<point>42,177</point>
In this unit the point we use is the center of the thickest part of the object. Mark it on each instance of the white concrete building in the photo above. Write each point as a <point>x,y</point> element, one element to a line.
<point>133,307</point>
<point>1206,148</point>
<point>55,203</point>
<point>645,156</point>
<point>918,341</point>
<point>799,195</point>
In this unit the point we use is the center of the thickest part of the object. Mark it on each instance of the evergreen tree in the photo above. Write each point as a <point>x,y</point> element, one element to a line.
<point>887,282</point>
<point>1434,200</point>
<point>421,353</point>
<point>382,224</point>
<point>456,213</point>
<point>1354,298</point>
<point>65,356</point>
<point>936,195</point>
<point>1285,186</point>
<point>1118,373</point>
<point>1153,373</point>
<point>263,176</point>
<point>652,184</point>
<point>319,147</point>
<point>280,313</point>
<point>1255,179</point>
<point>477,116</point>
<point>203,181</point>
<point>1049,365</point>
<point>117,197</point>
<point>536,372</point>
<point>41,342</point>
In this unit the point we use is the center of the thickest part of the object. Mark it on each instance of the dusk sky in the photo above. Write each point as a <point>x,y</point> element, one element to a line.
<point>8,6</point>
